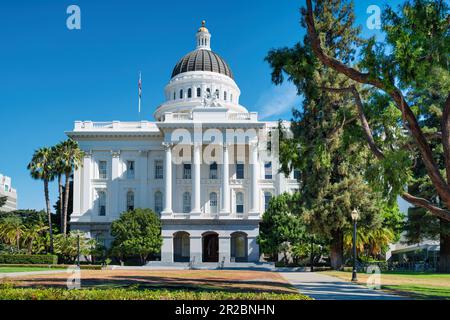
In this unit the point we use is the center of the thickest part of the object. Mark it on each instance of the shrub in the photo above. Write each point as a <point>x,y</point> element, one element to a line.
<point>8,293</point>
<point>136,233</point>
<point>28,259</point>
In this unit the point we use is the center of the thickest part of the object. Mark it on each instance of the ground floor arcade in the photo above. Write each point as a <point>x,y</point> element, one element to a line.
<point>222,241</point>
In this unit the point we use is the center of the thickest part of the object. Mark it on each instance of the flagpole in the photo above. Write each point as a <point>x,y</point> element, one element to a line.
<point>140,93</point>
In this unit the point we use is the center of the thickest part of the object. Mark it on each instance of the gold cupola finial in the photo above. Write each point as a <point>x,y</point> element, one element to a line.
<point>203,28</point>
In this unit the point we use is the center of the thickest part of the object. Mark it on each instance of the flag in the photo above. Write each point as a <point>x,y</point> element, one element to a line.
<point>140,91</point>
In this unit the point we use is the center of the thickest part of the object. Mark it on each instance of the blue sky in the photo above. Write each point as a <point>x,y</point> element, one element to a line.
<point>51,76</point>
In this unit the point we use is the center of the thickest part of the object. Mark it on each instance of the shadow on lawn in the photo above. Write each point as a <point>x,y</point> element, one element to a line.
<point>168,283</point>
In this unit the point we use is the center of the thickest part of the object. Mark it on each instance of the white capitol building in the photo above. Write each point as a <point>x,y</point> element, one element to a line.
<point>204,165</point>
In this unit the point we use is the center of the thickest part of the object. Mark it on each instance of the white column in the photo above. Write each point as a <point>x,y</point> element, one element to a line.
<point>143,177</point>
<point>168,180</point>
<point>254,210</point>
<point>114,195</point>
<point>86,189</point>
<point>77,192</point>
<point>225,209</point>
<point>196,181</point>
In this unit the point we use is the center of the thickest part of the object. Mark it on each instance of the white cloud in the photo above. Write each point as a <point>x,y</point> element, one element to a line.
<point>278,100</point>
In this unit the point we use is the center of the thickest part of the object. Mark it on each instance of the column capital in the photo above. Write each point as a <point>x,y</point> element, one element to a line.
<point>167,145</point>
<point>115,153</point>
<point>88,154</point>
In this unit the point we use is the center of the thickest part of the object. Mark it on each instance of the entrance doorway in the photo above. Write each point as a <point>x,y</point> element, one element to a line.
<point>210,247</point>
<point>181,247</point>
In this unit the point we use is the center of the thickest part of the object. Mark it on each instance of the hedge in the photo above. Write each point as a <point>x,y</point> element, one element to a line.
<point>56,266</point>
<point>9,293</point>
<point>28,259</point>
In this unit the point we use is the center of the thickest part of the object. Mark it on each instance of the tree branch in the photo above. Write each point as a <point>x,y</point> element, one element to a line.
<point>423,203</point>
<point>365,78</point>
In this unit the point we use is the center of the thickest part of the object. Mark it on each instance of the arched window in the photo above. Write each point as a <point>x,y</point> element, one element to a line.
<point>225,95</point>
<point>199,92</point>
<point>239,203</point>
<point>267,198</point>
<point>186,202</point>
<point>130,201</point>
<point>158,202</point>
<point>181,94</point>
<point>213,170</point>
<point>189,93</point>
<point>208,91</point>
<point>102,203</point>
<point>174,95</point>
<point>217,94</point>
<point>213,202</point>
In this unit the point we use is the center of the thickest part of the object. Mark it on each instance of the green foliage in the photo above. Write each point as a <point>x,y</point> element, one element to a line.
<point>28,259</point>
<point>136,232</point>
<point>8,292</point>
<point>280,224</point>
<point>23,231</point>
<point>66,246</point>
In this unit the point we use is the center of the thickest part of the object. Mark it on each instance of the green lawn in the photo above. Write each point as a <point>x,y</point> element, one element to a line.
<point>24,269</point>
<point>420,285</point>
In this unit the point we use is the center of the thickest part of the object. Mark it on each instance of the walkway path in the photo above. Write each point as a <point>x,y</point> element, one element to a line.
<point>29,273</point>
<point>323,287</point>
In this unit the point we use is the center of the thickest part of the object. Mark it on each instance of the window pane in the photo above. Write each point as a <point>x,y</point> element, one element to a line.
<point>186,171</point>
<point>199,92</point>
<point>268,170</point>
<point>159,169</point>
<point>213,171</point>
<point>267,198</point>
<point>102,171</point>
<point>130,169</point>
<point>101,203</point>
<point>130,200</point>
<point>213,202</point>
<point>158,202</point>
<point>189,93</point>
<point>239,171</point>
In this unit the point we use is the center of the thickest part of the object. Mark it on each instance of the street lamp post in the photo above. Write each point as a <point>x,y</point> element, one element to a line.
<point>355,217</point>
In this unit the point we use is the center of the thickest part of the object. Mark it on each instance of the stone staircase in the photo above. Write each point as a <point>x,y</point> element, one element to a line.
<point>260,266</point>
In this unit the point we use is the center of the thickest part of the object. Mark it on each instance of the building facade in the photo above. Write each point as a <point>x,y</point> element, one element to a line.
<point>6,190</point>
<point>206,165</point>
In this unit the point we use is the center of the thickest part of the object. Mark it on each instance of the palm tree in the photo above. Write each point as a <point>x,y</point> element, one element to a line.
<point>72,157</point>
<point>33,232</point>
<point>58,172</point>
<point>11,231</point>
<point>41,167</point>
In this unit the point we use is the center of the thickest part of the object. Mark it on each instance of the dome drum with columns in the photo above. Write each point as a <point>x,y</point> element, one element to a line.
<point>198,75</point>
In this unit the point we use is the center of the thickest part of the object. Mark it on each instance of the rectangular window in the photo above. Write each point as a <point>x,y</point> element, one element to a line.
<point>159,169</point>
<point>186,171</point>
<point>268,170</point>
<point>239,171</point>
<point>102,170</point>
<point>213,171</point>
<point>102,203</point>
<point>296,174</point>
<point>130,169</point>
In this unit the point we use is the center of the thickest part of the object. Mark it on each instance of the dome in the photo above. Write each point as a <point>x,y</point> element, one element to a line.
<point>202,60</point>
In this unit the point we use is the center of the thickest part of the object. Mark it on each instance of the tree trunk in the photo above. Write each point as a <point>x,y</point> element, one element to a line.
<point>66,202</point>
<point>49,214</point>
<point>60,191</point>
<point>444,252</point>
<point>337,250</point>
